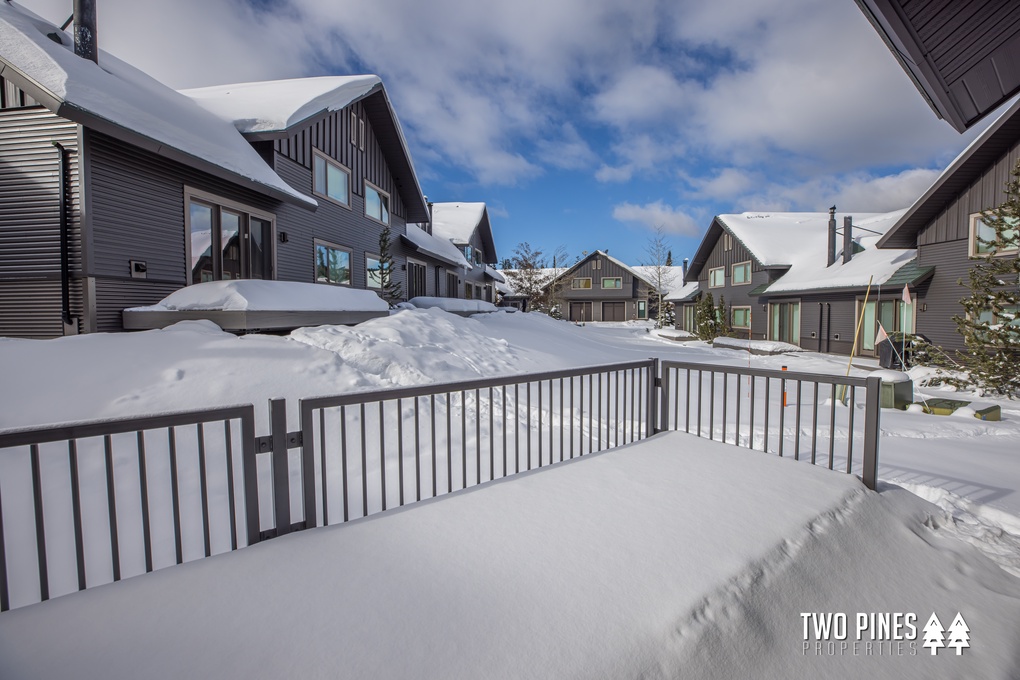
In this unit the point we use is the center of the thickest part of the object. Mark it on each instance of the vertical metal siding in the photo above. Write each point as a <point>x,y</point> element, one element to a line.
<point>30,300</point>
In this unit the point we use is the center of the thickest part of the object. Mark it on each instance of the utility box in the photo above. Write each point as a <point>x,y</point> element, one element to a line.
<point>897,389</point>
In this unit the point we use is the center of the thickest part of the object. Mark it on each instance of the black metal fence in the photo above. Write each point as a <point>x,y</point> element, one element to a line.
<point>139,494</point>
<point>803,415</point>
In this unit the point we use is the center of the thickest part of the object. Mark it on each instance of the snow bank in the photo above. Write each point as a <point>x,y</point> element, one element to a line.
<point>624,564</point>
<point>253,295</point>
<point>453,305</point>
<point>757,346</point>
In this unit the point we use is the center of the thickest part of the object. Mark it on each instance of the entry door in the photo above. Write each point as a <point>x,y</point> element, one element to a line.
<point>415,280</point>
<point>614,311</point>
<point>784,322</point>
<point>580,311</point>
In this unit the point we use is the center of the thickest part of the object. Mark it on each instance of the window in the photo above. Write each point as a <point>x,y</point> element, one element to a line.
<point>597,264</point>
<point>361,135</point>
<point>377,204</point>
<point>332,264</point>
<point>642,309</point>
<point>615,282</point>
<point>740,317</point>
<point>469,291</point>
<point>893,315</point>
<point>741,273</point>
<point>373,271</point>
<point>688,322</point>
<point>451,284</point>
<point>354,128</point>
<point>226,240</point>
<point>727,240</point>
<point>981,231</point>
<point>784,322</point>
<point>330,179</point>
<point>416,278</point>
<point>580,284</point>
<point>717,277</point>
<point>468,252</point>
<point>478,257</point>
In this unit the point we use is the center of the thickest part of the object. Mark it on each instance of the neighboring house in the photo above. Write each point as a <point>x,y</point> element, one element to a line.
<point>290,180</point>
<point>943,224</point>
<point>467,226</point>
<point>601,288</point>
<point>799,278</point>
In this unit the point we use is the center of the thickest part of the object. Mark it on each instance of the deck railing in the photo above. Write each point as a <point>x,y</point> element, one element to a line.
<point>84,504</point>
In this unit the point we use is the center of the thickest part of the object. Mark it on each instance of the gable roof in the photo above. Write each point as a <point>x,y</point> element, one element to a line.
<point>439,248</point>
<point>459,221</point>
<point>121,101</point>
<point>644,273</point>
<point>273,109</point>
<point>796,244</point>
<point>1002,135</point>
<point>961,56</point>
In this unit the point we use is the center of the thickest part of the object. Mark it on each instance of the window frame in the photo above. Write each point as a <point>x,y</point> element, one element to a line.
<point>972,242</point>
<point>717,285</point>
<point>218,203</point>
<point>733,322</point>
<point>612,278</point>
<point>317,154</point>
<point>727,241</point>
<point>316,243</point>
<point>642,309</point>
<point>576,279</point>
<point>368,269</point>
<point>389,212</point>
<point>733,277</point>
<point>354,128</point>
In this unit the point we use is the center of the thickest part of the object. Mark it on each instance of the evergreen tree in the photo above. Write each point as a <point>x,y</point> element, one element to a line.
<point>669,258</point>
<point>704,317</point>
<point>722,318</point>
<point>389,290</point>
<point>991,325</point>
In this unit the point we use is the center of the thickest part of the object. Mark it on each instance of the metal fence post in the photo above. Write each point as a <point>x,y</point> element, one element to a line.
<point>653,396</point>
<point>281,465</point>
<point>872,412</point>
<point>663,397</point>
<point>308,466</point>
<point>249,476</point>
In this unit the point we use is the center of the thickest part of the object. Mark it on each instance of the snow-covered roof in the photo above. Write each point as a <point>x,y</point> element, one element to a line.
<point>672,278</point>
<point>456,221</point>
<point>683,293</point>
<point>798,242</point>
<point>546,275</point>
<point>275,105</point>
<point>440,248</point>
<point>124,102</point>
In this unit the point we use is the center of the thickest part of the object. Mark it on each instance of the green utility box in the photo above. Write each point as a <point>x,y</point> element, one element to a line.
<point>945,407</point>
<point>897,389</point>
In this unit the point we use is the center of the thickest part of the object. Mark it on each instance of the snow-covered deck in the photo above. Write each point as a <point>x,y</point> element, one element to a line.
<point>673,556</point>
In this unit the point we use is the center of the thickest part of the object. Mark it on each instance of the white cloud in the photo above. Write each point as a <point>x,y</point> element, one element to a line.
<point>856,192</point>
<point>658,215</point>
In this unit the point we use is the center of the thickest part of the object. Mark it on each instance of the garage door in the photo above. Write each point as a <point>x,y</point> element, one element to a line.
<point>580,311</point>
<point>614,311</point>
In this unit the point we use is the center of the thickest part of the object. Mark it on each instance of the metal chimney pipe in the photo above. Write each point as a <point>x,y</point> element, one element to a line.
<point>687,261</point>
<point>85,44</point>
<point>848,238</point>
<point>831,256</point>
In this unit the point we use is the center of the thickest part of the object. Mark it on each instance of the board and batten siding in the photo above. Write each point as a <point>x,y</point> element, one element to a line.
<point>736,296</point>
<point>30,261</point>
<point>945,244</point>
<point>631,291</point>
<point>331,134</point>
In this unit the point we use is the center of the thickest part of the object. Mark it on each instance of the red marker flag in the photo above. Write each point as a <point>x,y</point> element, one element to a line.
<point>881,334</point>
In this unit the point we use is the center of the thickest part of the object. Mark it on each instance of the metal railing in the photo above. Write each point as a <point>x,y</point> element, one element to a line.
<point>138,494</point>
<point>126,485</point>
<point>796,415</point>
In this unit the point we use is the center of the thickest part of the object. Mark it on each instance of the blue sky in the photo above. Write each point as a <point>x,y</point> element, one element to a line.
<point>587,123</point>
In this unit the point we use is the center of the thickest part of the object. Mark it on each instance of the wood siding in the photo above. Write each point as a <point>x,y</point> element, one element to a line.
<point>332,135</point>
<point>30,259</point>
<point>739,295</point>
<point>944,243</point>
<point>828,322</point>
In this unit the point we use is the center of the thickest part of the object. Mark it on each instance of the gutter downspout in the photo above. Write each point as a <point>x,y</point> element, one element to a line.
<point>70,324</point>
<point>828,327</point>
<point>820,306</point>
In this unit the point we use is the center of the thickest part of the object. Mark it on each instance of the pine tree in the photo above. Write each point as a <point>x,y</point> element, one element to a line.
<point>933,634</point>
<point>669,258</point>
<point>959,634</point>
<point>722,318</point>
<point>389,290</point>
<point>527,275</point>
<point>990,325</point>
<point>704,318</point>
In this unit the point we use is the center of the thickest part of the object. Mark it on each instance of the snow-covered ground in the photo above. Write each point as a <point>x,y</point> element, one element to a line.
<point>968,468</point>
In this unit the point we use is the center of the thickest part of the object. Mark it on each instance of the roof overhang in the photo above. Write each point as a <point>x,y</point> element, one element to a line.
<point>89,120</point>
<point>429,252</point>
<point>962,57</point>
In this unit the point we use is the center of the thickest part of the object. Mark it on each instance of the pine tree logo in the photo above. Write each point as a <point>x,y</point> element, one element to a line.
<point>959,634</point>
<point>934,634</point>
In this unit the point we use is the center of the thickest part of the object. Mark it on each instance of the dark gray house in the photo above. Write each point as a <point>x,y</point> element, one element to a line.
<point>943,224</point>
<point>601,288</point>
<point>801,278</point>
<point>467,226</point>
<point>116,190</point>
